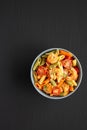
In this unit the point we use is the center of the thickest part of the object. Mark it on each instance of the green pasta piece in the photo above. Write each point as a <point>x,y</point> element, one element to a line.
<point>35,77</point>
<point>53,82</point>
<point>45,88</point>
<point>44,56</point>
<point>37,63</point>
<point>53,65</point>
<point>64,75</point>
<point>48,53</point>
<point>63,94</point>
<point>57,52</point>
<point>59,64</point>
<point>56,64</point>
<point>61,57</point>
<point>42,61</point>
<point>71,82</point>
<point>42,79</point>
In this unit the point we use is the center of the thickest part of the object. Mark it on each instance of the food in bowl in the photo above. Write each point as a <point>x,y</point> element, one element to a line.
<point>56,73</point>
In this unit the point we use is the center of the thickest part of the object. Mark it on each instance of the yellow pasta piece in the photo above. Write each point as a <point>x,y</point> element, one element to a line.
<point>61,82</point>
<point>74,62</point>
<point>71,82</point>
<point>53,82</point>
<point>74,82</point>
<point>60,66</point>
<point>35,77</point>
<point>42,79</point>
<point>46,81</point>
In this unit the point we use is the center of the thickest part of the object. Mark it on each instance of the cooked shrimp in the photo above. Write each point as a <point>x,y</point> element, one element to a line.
<point>65,88</point>
<point>73,75</point>
<point>52,58</point>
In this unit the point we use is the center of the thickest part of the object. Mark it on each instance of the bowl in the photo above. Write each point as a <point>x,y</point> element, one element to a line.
<point>45,94</point>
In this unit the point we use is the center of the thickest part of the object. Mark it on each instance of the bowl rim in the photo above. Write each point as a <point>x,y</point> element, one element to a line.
<point>41,92</point>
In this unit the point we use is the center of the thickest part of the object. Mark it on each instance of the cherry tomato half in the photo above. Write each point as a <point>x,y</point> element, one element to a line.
<point>77,69</point>
<point>67,63</point>
<point>41,70</point>
<point>57,91</point>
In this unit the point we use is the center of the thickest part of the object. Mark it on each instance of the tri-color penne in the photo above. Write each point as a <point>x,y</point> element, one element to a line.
<point>55,73</point>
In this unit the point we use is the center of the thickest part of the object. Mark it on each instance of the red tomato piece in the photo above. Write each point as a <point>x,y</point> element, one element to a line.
<point>57,91</point>
<point>67,63</point>
<point>41,70</point>
<point>77,69</point>
<point>68,57</point>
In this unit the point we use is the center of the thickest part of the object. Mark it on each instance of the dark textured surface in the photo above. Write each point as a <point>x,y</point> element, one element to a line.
<point>26,29</point>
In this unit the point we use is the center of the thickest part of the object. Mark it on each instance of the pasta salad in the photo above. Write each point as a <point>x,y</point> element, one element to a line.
<point>56,73</point>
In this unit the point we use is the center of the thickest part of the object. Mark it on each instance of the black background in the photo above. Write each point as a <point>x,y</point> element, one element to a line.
<point>26,29</point>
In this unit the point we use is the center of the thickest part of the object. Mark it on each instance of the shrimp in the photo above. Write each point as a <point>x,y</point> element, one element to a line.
<point>65,89</point>
<point>52,58</point>
<point>73,75</point>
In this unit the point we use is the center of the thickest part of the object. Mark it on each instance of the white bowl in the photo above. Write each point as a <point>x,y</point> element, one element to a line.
<point>53,97</point>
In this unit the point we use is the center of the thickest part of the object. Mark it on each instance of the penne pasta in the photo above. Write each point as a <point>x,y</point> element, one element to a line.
<point>57,52</point>
<point>42,61</point>
<point>46,81</point>
<point>42,79</point>
<point>74,62</point>
<point>37,63</point>
<point>61,57</point>
<point>35,77</point>
<point>53,82</point>
<point>71,82</point>
<point>50,52</point>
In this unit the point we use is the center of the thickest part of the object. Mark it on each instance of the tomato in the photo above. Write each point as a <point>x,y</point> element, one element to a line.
<point>77,69</point>
<point>68,57</point>
<point>41,70</point>
<point>71,88</point>
<point>57,91</point>
<point>67,63</point>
